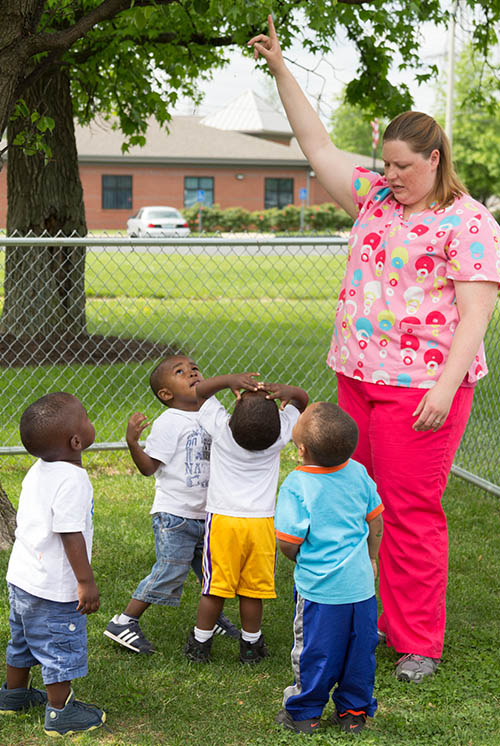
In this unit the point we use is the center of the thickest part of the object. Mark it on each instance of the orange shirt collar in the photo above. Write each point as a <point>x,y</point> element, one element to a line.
<point>321,469</point>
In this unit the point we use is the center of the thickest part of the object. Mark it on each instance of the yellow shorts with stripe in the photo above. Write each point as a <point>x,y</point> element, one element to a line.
<point>239,557</point>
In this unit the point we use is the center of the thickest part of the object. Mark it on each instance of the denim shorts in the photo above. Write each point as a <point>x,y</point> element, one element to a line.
<point>47,633</point>
<point>178,546</point>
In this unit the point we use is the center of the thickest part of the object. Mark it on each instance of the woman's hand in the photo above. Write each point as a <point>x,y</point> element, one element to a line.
<point>269,47</point>
<point>433,408</point>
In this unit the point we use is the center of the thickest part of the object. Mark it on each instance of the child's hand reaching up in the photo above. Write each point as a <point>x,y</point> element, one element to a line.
<point>287,394</point>
<point>234,381</point>
<point>245,381</point>
<point>135,427</point>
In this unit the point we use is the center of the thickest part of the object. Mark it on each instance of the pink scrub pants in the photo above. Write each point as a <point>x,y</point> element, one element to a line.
<point>410,469</point>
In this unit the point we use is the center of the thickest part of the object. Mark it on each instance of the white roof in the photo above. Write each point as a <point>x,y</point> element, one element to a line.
<point>250,113</point>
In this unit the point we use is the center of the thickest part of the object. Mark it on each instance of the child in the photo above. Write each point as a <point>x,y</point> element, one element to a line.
<point>177,452</point>
<point>51,585</point>
<point>239,553</point>
<point>328,521</point>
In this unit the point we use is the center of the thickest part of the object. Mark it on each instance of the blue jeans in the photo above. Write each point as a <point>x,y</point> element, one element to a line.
<point>178,546</point>
<point>50,633</point>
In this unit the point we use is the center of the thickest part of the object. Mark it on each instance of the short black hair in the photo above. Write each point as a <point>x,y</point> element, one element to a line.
<point>156,378</point>
<point>255,422</point>
<point>331,435</point>
<point>45,421</point>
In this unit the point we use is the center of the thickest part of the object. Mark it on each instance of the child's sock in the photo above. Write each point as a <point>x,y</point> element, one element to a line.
<point>125,619</point>
<point>250,637</point>
<point>202,635</point>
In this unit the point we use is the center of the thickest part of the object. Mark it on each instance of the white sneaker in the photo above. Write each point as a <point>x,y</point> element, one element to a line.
<point>413,667</point>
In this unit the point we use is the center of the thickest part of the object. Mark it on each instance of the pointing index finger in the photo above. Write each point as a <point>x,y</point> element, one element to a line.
<point>272,30</point>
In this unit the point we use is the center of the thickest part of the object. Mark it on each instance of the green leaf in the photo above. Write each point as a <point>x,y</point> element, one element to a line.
<point>45,123</point>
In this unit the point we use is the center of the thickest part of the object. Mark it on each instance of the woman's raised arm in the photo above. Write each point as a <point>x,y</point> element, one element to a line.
<point>331,166</point>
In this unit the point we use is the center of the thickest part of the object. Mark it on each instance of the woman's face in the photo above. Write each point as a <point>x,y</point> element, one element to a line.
<point>410,176</point>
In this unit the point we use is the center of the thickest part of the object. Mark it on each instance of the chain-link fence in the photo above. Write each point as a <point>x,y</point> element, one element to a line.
<point>100,312</point>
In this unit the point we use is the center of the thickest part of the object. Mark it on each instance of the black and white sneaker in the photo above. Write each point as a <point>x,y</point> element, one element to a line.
<point>224,626</point>
<point>130,635</point>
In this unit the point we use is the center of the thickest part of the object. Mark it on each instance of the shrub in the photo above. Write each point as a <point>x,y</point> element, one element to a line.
<point>265,221</point>
<point>324,217</point>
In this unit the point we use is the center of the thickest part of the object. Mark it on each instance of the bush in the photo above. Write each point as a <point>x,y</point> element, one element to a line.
<point>325,217</point>
<point>265,221</point>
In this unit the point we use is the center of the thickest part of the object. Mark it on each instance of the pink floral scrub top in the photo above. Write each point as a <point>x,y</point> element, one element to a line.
<point>396,313</point>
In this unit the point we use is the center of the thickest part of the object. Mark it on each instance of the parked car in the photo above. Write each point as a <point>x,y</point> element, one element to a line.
<point>157,222</point>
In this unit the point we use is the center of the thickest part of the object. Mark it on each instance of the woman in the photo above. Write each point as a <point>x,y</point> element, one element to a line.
<point>419,290</point>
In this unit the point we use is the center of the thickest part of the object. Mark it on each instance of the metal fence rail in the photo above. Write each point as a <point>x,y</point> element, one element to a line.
<point>263,304</point>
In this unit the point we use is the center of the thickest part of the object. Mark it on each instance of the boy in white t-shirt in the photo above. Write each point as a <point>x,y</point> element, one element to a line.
<point>240,550</point>
<point>177,452</point>
<point>51,584</point>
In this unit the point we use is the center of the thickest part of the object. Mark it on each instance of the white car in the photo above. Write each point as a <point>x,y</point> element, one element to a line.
<point>157,222</point>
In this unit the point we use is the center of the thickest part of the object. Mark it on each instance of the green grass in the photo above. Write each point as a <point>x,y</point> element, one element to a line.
<point>147,275</point>
<point>269,313</point>
<point>272,314</point>
<point>162,699</point>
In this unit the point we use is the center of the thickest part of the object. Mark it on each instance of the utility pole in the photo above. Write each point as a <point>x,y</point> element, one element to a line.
<point>448,126</point>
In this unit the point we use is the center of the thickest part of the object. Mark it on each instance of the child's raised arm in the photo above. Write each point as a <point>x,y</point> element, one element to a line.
<point>76,552</point>
<point>287,394</point>
<point>234,381</point>
<point>136,425</point>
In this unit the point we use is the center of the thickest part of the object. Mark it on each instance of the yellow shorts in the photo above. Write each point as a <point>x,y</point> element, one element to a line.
<point>239,557</point>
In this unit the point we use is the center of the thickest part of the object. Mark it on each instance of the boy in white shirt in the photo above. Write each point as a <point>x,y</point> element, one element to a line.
<point>51,584</point>
<point>240,551</point>
<point>177,452</point>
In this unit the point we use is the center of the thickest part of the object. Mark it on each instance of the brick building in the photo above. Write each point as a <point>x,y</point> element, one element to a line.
<point>245,155</point>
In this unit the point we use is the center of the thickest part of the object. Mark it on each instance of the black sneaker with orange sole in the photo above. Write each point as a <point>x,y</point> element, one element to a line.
<point>350,721</point>
<point>308,727</point>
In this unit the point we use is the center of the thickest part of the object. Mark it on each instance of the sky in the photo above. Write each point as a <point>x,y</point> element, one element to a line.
<point>318,76</point>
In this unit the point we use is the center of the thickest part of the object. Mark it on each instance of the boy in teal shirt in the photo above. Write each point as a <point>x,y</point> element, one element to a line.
<point>328,521</point>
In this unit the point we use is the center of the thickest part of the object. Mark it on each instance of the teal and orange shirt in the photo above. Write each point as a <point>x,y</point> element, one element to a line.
<point>327,511</point>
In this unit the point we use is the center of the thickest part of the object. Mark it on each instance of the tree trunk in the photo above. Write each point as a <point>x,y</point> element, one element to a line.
<point>45,286</point>
<point>7,521</point>
<point>19,19</point>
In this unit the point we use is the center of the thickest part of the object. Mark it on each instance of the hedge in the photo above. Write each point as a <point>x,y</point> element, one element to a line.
<point>324,217</point>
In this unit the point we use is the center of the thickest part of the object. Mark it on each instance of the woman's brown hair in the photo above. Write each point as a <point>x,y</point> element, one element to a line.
<point>423,135</point>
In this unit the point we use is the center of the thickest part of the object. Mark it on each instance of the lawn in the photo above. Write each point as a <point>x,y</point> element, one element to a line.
<point>268,313</point>
<point>163,699</point>
<point>272,314</point>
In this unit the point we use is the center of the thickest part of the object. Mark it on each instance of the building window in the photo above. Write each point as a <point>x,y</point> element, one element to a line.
<point>278,193</point>
<point>193,184</point>
<point>116,192</point>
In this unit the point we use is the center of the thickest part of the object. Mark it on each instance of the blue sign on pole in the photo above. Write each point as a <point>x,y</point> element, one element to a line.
<point>303,194</point>
<point>200,195</point>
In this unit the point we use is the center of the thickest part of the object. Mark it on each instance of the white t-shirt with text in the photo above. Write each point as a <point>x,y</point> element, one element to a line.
<point>183,447</point>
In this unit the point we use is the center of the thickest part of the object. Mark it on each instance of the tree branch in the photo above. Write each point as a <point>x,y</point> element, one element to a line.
<point>61,40</point>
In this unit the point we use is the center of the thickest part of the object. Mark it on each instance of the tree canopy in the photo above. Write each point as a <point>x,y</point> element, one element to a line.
<point>351,129</point>
<point>133,58</point>
<point>476,125</point>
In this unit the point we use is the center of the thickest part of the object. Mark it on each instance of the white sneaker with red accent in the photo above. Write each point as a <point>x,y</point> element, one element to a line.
<point>413,667</point>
